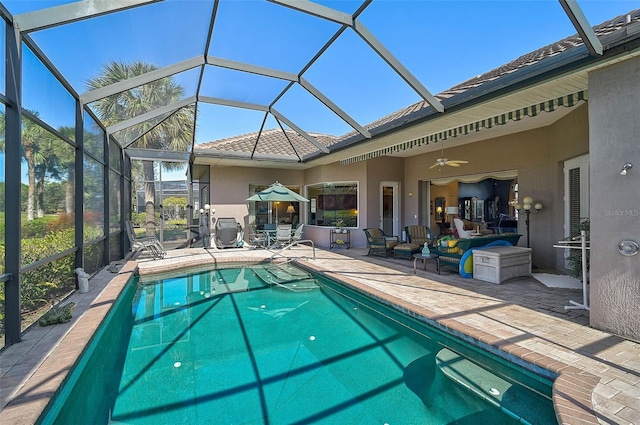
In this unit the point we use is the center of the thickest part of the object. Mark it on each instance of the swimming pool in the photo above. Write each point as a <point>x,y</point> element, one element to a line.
<point>227,346</point>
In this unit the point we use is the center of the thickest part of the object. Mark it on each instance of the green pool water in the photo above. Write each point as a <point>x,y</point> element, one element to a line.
<point>225,347</point>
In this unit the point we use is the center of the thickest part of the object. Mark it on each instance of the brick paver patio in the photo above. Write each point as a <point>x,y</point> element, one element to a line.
<point>599,373</point>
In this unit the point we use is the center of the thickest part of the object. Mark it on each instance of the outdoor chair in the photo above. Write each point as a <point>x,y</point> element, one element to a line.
<point>150,244</point>
<point>257,239</point>
<point>418,234</point>
<point>460,228</point>
<point>283,234</point>
<point>378,242</point>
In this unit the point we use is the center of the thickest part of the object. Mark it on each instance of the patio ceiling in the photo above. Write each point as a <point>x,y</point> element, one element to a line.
<point>290,71</point>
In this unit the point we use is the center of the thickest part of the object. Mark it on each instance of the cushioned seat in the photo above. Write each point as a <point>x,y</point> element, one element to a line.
<point>406,250</point>
<point>418,234</point>
<point>378,242</point>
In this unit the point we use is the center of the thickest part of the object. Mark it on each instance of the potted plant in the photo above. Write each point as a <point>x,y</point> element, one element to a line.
<point>340,226</point>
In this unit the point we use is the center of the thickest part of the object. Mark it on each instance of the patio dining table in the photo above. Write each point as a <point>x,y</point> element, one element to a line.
<point>269,237</point>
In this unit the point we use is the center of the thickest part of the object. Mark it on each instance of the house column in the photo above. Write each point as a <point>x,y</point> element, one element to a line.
<point>614,140</point>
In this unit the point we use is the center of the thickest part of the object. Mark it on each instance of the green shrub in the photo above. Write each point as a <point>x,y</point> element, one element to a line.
<point>50,281</point>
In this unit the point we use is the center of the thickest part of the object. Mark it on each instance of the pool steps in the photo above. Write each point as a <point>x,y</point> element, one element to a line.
<point>287,276</point>
<point>512,399</point>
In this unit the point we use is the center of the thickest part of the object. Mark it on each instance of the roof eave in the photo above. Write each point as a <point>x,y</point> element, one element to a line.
<point>621,41</point>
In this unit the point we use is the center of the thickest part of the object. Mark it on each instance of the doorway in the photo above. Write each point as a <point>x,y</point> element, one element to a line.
<point>161,204</point>
<point>389,208</point>
<point>576,193</point>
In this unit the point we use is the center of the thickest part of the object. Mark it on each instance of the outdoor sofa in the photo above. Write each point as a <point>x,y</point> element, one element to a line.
<point>452,254</point>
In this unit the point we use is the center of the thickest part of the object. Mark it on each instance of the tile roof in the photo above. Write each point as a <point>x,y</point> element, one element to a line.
<point>523,61</point>
<point>288,143</point>
<point>270,142</point>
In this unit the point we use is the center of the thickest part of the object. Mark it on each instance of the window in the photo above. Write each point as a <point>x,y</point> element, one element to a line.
<point>330,202</point>
<point>261,213</point>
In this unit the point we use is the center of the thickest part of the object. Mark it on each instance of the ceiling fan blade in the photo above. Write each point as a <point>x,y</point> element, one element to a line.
<point>460,161</point>
<point>434,165</point>
<point>452,164</point>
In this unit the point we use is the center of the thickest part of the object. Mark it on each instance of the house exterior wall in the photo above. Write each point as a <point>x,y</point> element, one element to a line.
<point>230,188</point>
<point>379,170</point>
<point>614,98</point>
<point>538,156</point>
<point>338,173</point>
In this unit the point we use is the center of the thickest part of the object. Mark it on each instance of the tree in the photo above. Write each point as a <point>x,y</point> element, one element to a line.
<point>67,158</point>
<point>173,133</point>
<point>32,136</point>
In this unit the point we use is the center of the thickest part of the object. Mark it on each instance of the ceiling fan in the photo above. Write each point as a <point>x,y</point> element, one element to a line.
<point>444,161</point>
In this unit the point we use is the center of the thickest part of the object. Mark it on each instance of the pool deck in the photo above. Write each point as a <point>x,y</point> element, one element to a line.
<point>599,373</point>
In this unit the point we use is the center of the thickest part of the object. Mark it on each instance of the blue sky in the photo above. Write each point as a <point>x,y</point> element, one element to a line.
<point>441,42</point>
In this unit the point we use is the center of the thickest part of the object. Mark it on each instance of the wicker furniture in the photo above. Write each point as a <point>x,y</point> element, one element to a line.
<point>379,243</point>
<point>417,234</point>
<point>406,250</point>
<point>451,254</point>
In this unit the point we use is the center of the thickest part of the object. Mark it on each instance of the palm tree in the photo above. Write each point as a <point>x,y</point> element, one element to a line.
<point>67,159</point>
<point>173,133</point>
<point>32,137</point>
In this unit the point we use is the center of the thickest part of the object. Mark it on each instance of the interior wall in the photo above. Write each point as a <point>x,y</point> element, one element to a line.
<point>538,156</point>
<point>614,100</point>
<point>450,194</point>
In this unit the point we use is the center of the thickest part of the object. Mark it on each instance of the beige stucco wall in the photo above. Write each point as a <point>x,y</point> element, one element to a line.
<point>230,187</point>
<point>614,112</point>
<point>336,173</point>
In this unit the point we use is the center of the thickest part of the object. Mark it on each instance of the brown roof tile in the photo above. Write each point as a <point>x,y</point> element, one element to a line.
<point>270,142</point>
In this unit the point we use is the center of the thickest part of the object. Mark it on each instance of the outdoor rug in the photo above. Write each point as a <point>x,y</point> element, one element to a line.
<point>558,280</point>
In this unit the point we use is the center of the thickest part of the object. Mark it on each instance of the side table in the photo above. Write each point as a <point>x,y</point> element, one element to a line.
<point>344,237</point>
<point>423,258</point>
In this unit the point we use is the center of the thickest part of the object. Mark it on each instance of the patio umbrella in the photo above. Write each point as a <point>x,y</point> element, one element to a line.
<point>276,193</point>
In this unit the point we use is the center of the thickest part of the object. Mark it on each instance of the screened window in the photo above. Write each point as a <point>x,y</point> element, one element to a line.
<point>2,192</point>
<point>93,199</point>
<point>114,201</point>
<point>48,189</point>
<point>330,202</point>
<point>45,96</point>
<point>93,137</point>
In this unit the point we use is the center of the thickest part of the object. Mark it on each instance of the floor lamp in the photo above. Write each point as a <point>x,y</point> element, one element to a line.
<point>452,211</point>
<point>291,211</point>
<point>527,203</point>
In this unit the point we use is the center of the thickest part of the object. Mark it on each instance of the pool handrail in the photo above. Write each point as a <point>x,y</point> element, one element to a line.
<point>292,244</point>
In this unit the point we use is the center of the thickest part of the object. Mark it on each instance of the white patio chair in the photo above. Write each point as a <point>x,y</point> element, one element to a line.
<point>151,244</point>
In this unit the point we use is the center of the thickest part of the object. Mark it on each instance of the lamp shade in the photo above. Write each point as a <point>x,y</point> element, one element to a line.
<point>439,210</point>
<point>452,210</point>
<point>290,209</point>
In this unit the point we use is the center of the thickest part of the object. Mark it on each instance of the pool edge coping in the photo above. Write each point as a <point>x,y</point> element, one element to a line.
<point>33,394</point>
<point>571,391</point>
